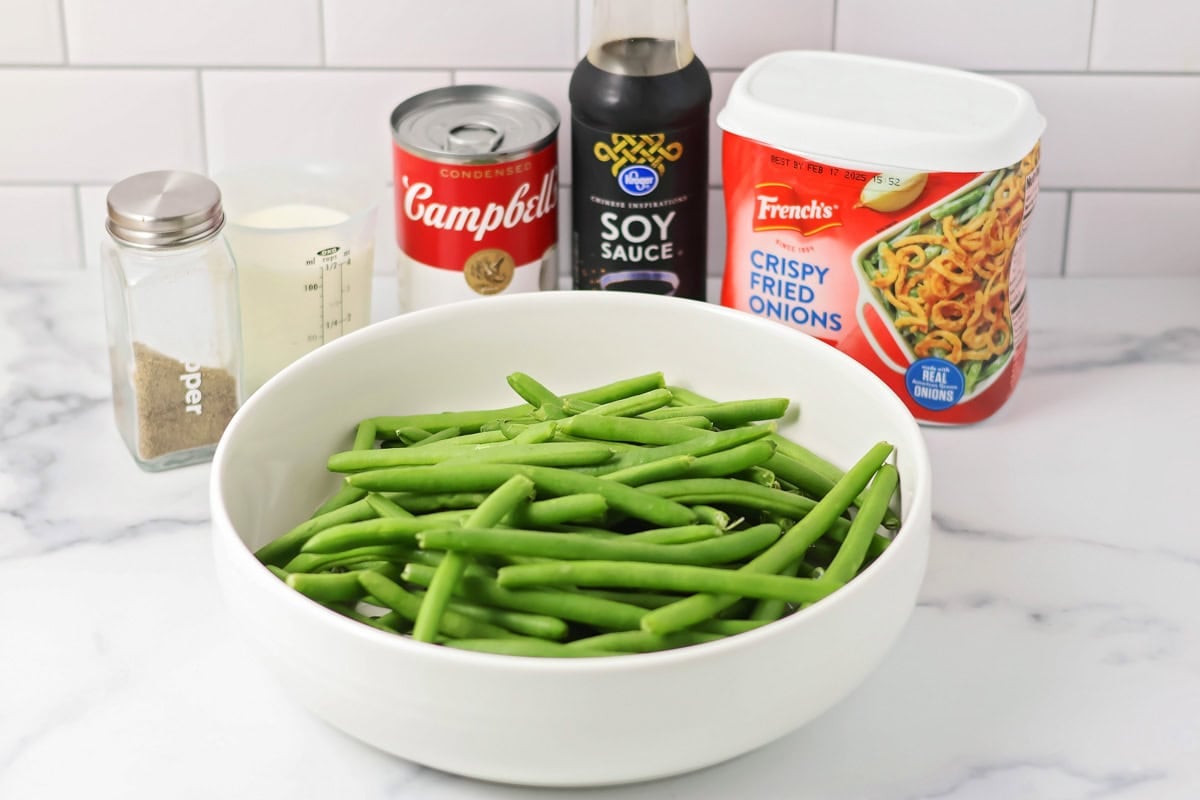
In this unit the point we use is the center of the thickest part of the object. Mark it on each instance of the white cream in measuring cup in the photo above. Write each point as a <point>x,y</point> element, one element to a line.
<point>304,242</point>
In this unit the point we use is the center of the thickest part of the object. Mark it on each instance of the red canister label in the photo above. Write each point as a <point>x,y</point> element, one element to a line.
<point>494,225</point>
<point>918,275</point>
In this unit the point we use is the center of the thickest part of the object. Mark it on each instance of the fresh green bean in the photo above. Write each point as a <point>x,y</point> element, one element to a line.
<point>408,606</point>
<point>652,471</point>
<point>557,510</point>
<point>534,434</point>
<point>550,454</point>
<point>282,550</point>
<point>850,555</point>
<point>444,435</point>
<point>641,641</point>
<point>682,534</point>
<point>813,463</point>
<point>730,414</point>
<point>622,388</point>
<point>574,607</point>
<point>381,531</point>
<point>520,622</point>
<point>628,429</point>
<point>767,610</point>
<point>745,457</point>
<point>729,627</point>
<point>705,444</point>
<point>626,406</point>
<point>385,507</point>
<point>410,435</point>
<point>364,435</point>
<point>496,507</point>
<point>467,421</point>
<point>559,482</point>
<point>427,502</point>
<point>719,550</point>
<point>733,492</point>
<point>710,515</point>
<point>788,549</point>
<point>327,587</point>
<point>531,391</point>
<point>322,562</point>
<point>628,597</point>
<point>665,577</point>
<point>529,647</point>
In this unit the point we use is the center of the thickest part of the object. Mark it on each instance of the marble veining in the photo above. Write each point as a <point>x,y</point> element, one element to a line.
<point>1054,653</point>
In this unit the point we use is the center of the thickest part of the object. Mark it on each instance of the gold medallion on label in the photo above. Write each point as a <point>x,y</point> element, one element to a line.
<point>489,271</point>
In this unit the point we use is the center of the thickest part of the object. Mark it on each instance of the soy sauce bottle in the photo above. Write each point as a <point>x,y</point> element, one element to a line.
<point>639,145</point>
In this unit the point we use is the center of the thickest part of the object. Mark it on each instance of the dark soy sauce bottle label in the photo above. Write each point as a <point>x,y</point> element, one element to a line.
<point>640,170</point>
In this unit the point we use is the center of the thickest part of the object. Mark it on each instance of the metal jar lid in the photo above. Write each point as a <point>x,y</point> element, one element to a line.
<point>474,124</point>
<point>162,209</point>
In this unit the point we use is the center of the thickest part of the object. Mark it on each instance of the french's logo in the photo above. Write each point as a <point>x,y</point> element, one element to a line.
<point>777,207</point>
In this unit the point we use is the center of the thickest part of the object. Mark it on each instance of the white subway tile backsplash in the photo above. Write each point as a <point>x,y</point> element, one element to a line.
<point>335,116</point>
<point>1149,35</point>
<point>30,32</point>
<point>1118,131</point>
<point>100,91</point>
<point>1136,234</point>
<point>40,230</point>
<point>93,210</point>
<point>1047,235</point>
<point>756,27</point>
<point>549,84</point>
<point>215,32</point>
<point>1018,34</point>
<point>449,33</point>
<point>722,82</point>
<point>97,125</point>
<point>730,36</point>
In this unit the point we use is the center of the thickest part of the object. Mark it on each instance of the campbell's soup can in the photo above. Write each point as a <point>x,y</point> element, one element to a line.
<point>882,206</point>
<point>476,179</point>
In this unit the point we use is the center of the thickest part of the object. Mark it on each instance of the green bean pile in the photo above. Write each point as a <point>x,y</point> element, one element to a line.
<point>628,518</point>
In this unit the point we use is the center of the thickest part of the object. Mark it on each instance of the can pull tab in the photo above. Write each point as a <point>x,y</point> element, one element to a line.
<point>474,138</point>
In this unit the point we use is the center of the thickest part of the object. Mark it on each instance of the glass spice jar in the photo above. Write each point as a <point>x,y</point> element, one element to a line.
<point>171,305</point>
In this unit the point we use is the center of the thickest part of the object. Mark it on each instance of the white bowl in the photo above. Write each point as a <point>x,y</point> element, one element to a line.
<point>564,722</point>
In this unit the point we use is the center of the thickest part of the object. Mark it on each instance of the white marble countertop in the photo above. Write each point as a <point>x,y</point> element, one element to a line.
<point>1055,652</point>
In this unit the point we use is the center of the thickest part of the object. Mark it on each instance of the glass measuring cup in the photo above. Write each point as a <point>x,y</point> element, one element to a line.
<point>303,237</point>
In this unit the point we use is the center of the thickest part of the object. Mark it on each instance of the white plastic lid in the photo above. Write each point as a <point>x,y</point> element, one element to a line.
<point>879,111</point>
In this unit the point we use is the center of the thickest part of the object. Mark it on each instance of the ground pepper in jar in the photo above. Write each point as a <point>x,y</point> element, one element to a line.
<point>171,310</point>
<point>179,406</point>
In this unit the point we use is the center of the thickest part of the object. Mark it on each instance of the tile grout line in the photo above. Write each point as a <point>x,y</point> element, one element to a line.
<point>833,28</point>
<point>430,68</point>
<point>203,119</point>
<point>1091,37</point>
<point>321,33</point>
<point>62,31</point>
<point>79,226</point>
<point>1062,268</point>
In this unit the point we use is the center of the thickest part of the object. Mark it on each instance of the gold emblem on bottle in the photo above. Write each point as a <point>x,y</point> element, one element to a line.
<point>651,149</point>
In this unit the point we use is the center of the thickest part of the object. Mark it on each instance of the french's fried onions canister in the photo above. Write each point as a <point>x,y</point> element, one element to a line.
<point>882,207</point>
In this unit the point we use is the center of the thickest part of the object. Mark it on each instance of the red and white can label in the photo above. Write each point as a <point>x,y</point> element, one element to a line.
<point>475,229</point>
